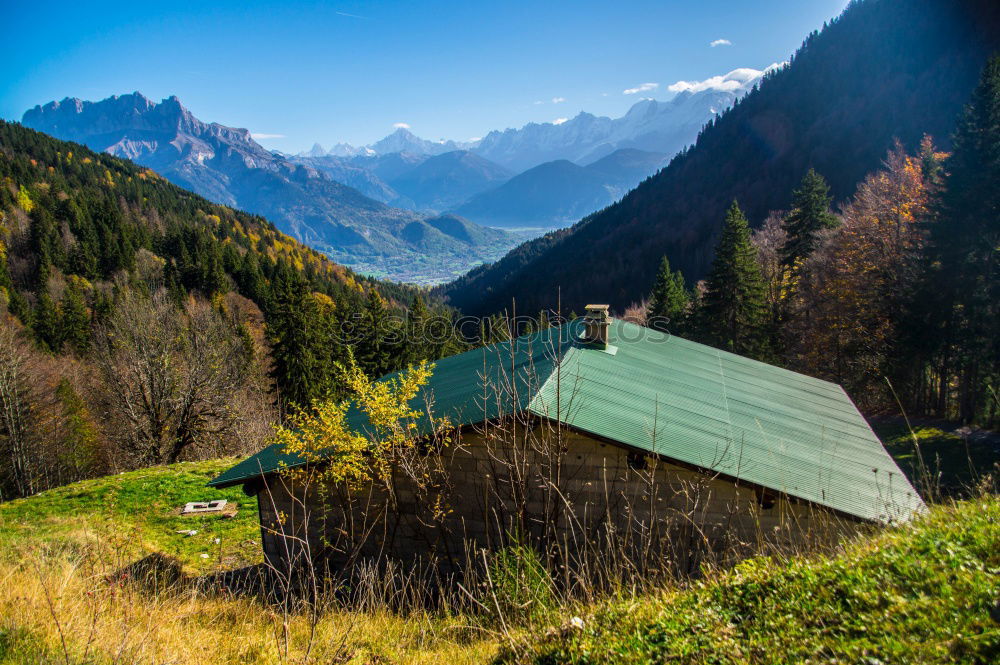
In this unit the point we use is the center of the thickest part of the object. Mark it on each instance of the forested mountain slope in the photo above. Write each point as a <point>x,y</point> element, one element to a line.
<point>885,69</point>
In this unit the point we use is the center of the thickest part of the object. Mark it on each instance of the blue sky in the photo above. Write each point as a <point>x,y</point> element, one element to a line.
<point>301,72</point>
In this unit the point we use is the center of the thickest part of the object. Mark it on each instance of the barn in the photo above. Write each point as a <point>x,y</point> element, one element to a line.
<point>599,437</point>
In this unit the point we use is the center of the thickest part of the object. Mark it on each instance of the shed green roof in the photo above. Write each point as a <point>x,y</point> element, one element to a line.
<point>684,401</point>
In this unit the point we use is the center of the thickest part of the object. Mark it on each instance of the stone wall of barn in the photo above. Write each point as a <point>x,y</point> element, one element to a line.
<point>592,497</point>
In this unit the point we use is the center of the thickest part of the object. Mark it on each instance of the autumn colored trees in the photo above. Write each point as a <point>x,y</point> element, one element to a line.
<point>842,320</point>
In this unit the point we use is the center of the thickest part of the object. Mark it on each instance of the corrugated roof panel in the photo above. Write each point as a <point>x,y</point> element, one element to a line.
<point>762,424</point>
<point>686,401</point>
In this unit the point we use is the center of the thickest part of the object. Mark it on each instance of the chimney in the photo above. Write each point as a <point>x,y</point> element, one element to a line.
<point>596,324</point>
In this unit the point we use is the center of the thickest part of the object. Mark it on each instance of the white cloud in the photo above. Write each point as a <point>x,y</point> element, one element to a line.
<point>539,102</point>
<point>738,79</point>
<point>400,125</point>
<point>558,100</point>
<point>720,42</point>
<point>559,121</point>
<point>642,87</point>
<point>260,135</point>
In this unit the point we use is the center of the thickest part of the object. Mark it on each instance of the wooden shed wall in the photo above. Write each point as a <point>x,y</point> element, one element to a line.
<point>590,497</point>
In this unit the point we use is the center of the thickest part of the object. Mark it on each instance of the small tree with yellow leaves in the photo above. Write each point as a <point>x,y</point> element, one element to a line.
<point>345,462</point>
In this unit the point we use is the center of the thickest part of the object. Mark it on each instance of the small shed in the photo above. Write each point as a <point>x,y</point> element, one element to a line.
<point>600,434</point>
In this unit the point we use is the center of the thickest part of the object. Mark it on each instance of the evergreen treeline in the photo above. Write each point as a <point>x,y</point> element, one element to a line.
<point>896,298</point>
<point>160,325</point>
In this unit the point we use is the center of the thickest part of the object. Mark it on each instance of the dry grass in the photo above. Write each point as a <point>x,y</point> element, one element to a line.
<point>62,558</point>
<point>68,608</point>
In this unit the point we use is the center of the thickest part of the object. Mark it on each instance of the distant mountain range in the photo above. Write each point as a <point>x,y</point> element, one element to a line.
<point>449,179</point>
<point>560,192</point>
<point>401,207</point>
<point>539,176</point>
<point>885,70</point>
<point>401,140</point>
<point>317,206</point>
<point>649,125</point>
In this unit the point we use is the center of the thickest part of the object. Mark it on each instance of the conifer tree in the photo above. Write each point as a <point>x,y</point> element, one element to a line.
<point>75,319</point>
<point>46,323</point>
<point>419,345</point>
<point>810,215</point>
<point>962,286</point>
<point>931,162</point>
<point>734,311</point>
<point>250,279</point>
<point>18,306</point>
<point>171,281</point>
<point>668,302</point>
<point>213,277</point>
<point>378,341</point>
<point>291,326</point>
<point>6,283</point>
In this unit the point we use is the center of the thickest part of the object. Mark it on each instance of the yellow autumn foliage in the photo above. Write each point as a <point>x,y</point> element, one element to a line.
<point>321,433</point>
<point>24,199</point>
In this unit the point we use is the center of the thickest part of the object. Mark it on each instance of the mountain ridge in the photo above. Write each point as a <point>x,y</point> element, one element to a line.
<point>656,126</point>
<point>558,192</point>
<point>446,180</point>
<point>227,166</point>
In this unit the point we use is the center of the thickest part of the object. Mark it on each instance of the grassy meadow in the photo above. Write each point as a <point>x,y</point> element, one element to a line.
<point>926,593</point>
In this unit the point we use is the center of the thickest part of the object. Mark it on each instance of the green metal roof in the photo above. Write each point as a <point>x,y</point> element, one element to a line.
<point>684,401</point>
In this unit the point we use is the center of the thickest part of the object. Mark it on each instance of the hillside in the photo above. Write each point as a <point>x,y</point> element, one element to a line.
<point>885,69</point>
<point>119,208</point>
<point>542,196</point>
<point>227,166</point>
<point>556,193</point>
<point>923,593</point>
<point>143,505</point>
<point>920,594</point>
<point>629,166</point>
<point>443,181</point>
<point>136,585</point>
<point>142,324</point>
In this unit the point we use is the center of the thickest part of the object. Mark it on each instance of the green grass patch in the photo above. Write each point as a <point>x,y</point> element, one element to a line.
<point>954,464</point>
<point>144,507</point>
<point>925,593</point>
